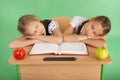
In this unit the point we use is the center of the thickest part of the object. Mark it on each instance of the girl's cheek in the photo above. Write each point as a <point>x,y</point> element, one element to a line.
<point>90,33</point>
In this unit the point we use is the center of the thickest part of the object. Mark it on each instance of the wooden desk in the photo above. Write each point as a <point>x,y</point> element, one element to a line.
<point>84,68</point>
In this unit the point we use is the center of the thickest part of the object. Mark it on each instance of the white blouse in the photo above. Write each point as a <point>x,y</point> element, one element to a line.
<point>76,22</point>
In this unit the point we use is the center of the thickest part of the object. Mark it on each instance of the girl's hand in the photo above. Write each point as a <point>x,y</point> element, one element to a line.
<point>96,37</point>
<point>32,37</point>
<point>37,41</point>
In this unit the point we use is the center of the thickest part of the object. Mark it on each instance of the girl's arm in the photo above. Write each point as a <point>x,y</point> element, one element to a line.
<point>70,37</point>
<point>55,38</point>
<point>22,42</point>
<point>92,41</point>
<point>83,38</point>
<point>69,30</point>
<point>74,38</point>
<point>95,42</point>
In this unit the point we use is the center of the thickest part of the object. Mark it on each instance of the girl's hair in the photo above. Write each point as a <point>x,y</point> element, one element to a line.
<point>105,22</point>
<point>24,20</point>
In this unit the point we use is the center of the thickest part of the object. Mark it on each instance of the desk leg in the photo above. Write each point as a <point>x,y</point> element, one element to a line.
<point>18,72</point>
<point>102,72</point>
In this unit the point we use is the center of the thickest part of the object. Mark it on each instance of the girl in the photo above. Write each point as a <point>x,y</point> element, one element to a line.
<point>34,31</point>
<point>91,31</point>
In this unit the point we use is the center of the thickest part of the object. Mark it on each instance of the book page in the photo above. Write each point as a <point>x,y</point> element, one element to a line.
<point>73,48</point>
<point>44,48</point>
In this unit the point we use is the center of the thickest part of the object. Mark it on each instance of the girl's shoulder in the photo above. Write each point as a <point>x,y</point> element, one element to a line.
<point>49,25</point>
<point>48,22</point>
<point>79,18</point>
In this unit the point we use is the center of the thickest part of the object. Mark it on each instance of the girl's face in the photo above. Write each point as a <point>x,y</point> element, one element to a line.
<point>34,28</point>
<point>93,28</point>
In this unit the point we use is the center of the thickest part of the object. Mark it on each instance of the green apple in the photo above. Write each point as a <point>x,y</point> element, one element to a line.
<point>102,53</point>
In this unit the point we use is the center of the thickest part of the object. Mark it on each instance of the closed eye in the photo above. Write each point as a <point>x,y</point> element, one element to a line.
<point>36,27</point>
<point>95,33</point>
<point>35,32</point>
<point>93,27</point>
<point>42,33</point>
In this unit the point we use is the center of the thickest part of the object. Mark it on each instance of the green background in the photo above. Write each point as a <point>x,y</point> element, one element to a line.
<point>11,10</point>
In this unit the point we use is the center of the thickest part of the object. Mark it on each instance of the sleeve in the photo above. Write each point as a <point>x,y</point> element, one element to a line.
<point>52,26</point>
<point>77,21</point>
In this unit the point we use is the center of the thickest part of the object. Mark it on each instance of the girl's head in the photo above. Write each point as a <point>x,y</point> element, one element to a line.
<point>97,26</point>
<point>30,25</point>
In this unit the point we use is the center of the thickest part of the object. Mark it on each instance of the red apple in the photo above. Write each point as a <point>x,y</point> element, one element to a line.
<point>19,53</point>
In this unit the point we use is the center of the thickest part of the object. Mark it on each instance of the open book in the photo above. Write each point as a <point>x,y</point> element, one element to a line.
<point>64,48</point>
